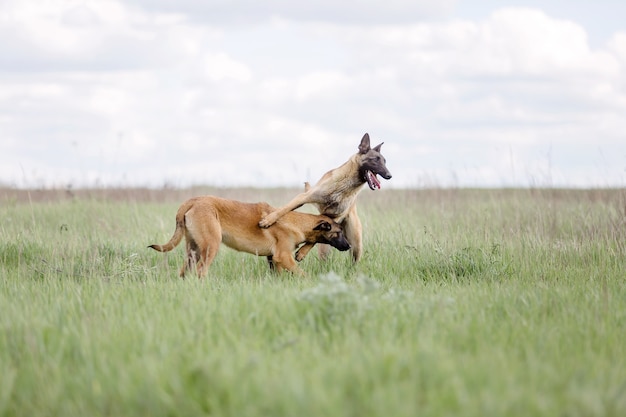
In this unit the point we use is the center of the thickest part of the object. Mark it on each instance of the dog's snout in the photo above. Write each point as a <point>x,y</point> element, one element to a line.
<point>341,243</point>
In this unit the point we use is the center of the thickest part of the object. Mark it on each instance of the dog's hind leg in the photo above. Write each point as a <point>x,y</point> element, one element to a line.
<point>323,250</point>
<point>352,229</point>
<point>208,238</point>
<point>206,258</point>
<point>191,257</point>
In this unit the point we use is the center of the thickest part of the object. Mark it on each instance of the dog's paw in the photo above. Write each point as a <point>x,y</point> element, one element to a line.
<point>303,251</point>
<point>267,221</point>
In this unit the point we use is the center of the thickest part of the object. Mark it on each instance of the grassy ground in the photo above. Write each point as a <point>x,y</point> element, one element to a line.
<point>467,302</point>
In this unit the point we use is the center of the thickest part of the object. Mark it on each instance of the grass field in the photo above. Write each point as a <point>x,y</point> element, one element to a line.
<point>466,303</point>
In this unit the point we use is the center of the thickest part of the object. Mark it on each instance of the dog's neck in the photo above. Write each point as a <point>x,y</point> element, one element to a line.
<point>357,179</point>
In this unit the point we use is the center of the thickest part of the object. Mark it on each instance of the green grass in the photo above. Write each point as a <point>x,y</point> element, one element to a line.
<point>466,302</point>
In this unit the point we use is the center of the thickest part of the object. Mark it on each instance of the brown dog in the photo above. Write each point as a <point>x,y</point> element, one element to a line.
<point>207,221</point>
<point>336,192</point>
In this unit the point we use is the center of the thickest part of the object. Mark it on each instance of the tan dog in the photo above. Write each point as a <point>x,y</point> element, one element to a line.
<point>208,221</point>
<point>336,192</point>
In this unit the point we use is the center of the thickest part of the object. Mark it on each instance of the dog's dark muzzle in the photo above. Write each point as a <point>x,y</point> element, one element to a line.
<point>340,244</point>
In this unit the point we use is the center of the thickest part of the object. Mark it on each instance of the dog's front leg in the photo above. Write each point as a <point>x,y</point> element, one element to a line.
<point>284,260</point>
<point>303,251</point>
<point>297,201</point>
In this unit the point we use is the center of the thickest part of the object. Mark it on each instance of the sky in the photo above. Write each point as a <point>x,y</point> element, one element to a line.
<point>108,93</point>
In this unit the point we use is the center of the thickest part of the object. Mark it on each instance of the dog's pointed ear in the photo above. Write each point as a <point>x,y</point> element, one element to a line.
<point>324,226</point>
<point>364,147</point>
<point>377,147</point>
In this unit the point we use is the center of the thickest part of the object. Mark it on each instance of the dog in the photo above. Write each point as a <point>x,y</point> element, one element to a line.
<point>335,195</point>
<point>208,221</point>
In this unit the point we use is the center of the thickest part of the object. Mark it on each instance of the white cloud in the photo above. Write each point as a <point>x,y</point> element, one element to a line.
<point>100,90</point>
<point>321,84</point>
<point>347,11</point>
<point>221,67</point>
<point>89,35</point>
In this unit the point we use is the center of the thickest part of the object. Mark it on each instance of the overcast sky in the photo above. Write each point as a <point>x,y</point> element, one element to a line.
<point>274,93</point>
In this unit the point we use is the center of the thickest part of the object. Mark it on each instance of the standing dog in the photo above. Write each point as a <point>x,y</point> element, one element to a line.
<point>335,195</point>
<point>207,221</point>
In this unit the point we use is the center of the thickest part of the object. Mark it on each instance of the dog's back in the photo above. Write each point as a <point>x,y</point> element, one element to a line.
<point>231,222</point>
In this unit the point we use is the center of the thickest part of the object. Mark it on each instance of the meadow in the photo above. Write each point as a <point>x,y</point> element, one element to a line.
<point>466,302</point>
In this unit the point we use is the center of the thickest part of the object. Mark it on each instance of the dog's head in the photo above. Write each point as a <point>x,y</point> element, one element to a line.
<point>330,232</point>
<point>372,163</point>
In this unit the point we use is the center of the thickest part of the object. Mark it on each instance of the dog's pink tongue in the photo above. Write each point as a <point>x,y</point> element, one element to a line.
<point>374,180</point>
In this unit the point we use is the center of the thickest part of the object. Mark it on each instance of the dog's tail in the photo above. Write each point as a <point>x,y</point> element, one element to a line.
<point>180,229</point>
<point>174,241</point>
